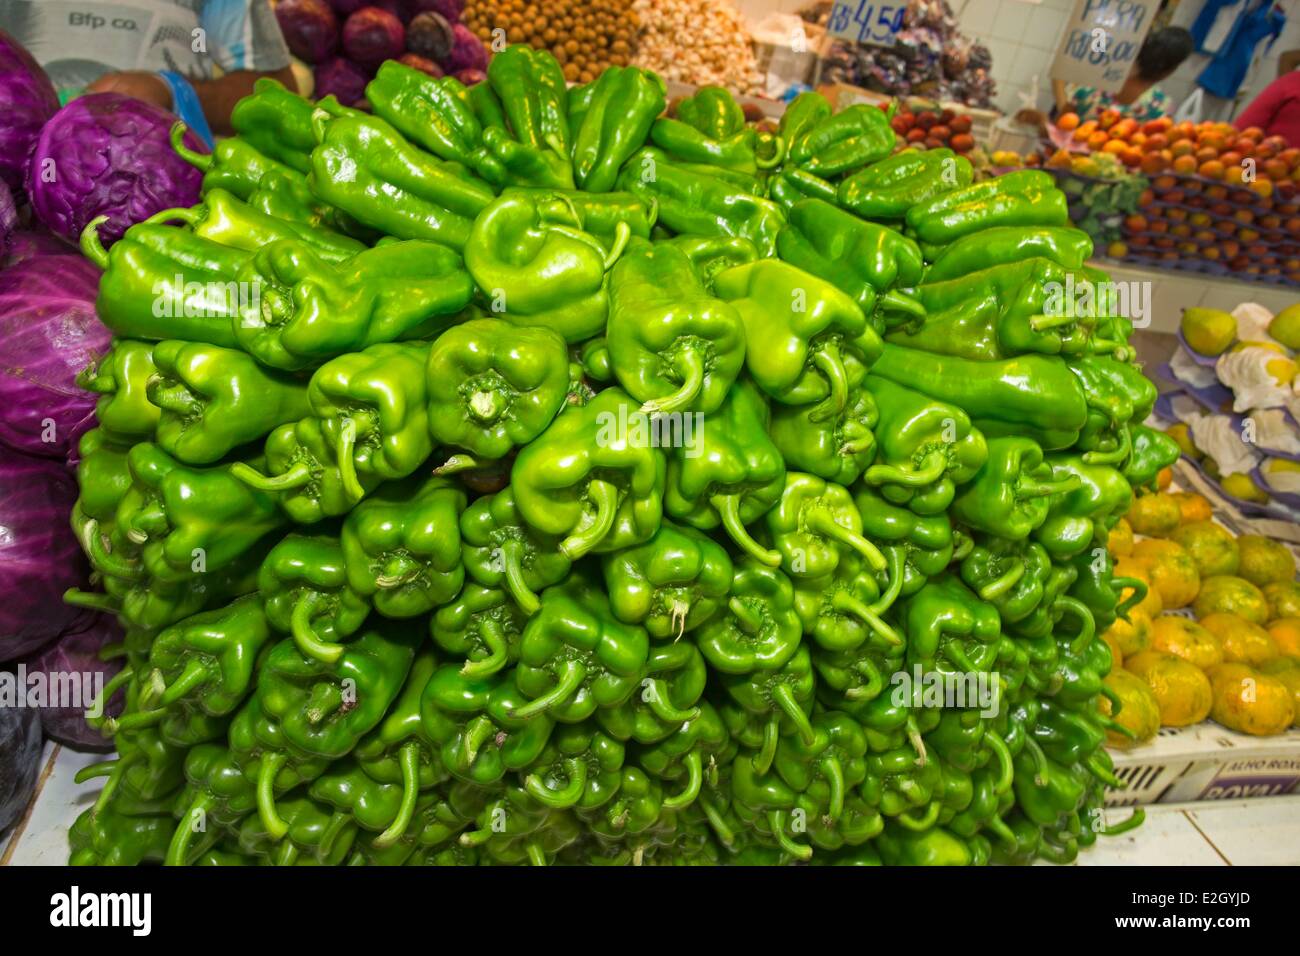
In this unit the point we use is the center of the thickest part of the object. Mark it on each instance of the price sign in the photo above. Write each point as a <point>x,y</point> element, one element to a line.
<point>866,21</point>
<point>1101,41</point>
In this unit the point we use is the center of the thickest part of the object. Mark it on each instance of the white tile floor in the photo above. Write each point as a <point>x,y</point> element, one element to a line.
<point>1239,832</point>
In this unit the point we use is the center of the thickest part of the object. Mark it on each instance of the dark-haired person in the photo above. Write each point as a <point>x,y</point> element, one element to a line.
<point>197,58</point>
<point>1139,98</point>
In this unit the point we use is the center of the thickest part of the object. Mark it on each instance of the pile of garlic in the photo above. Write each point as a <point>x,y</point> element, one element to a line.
<point>697,41</point>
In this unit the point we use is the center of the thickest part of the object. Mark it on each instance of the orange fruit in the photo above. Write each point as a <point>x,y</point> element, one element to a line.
<point>1212,169</point>
<point>1120,540</point>
<point>1283,599</point>
<point>1185,164</point>
<point>1115,146</point>
<point>1181,689</point>
<point>1098,140</point>
<point>1129,637</point>
<point>1287,670</point>
<point>1182,637</point>
<point>1264,560</point>
<point>1285,632</point>
<point>1242,641</point>
<point>1139,711</point>
<point>1068,121</point>
<point>1249,701</point>
<point>1151,605</point>
<point>1212,547</point>
<point>1155,515</point>
<point>1227,593</point>
<point>1173,572</point>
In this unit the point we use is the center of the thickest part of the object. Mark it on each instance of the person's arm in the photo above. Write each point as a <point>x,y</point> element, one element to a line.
<point>218,97</point>
<point>1264,107</point>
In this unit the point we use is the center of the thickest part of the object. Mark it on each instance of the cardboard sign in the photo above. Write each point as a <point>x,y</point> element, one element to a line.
<point>1101,42</point>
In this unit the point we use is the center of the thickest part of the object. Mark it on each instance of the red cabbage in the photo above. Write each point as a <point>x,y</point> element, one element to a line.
<point>77,653</point>
<point>40,558</point>
<point>27,100</point>
<point>430,35</point>
<point>372,35</point>
<point>109,155</point>
<point>343,79</point>
<point>467,53</point>
<point>8,219</point>
<point>48,333</point>
<point>423,64</point>
<point>26,243</point>
<point>20,761</point>
<point>310,28</point>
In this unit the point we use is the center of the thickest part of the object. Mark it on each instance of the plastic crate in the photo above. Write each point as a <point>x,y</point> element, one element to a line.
<point>1206,762</point>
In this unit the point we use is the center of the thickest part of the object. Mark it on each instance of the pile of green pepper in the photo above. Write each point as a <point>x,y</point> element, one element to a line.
<point>515,474</point>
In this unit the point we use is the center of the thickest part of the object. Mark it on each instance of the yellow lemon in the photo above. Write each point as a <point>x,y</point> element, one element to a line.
<point>1208,331</point>
<point>1285,327</point>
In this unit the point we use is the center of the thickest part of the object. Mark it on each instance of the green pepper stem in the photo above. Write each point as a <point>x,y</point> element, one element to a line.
<point>332,830</point>
<point>690,364</point>
<point>571,676</point>
<point>295,477</point>
<point>864,444</point>
<point>134,721</point>
<point>957,654</point>
<point>728,509</point>
<point>694,781</point>
<point>1045,323</point>
<point>819,520</point>
<point>1102,773</point>
<point>925,822</point>
<point>345,453</point>
<point>92,542</point>
<point>111,687</point>
<point>486,406</point>
<point>494,636</point>
<point>119,768</point>
<point>1039,760</point>
<point>830,766</point>
<point>112,652</point>
<point>268,768</point>
<point>932,468</point>
<point>776,821</point>
<point>473,838</point>
<point>194,675</point>
<point>325,699</point>
<point>458,463</point>
<point>622,235</point>
<point>1133,600</point>
<point>172,397</point>
<point>201,161</point>
<point>604,496</point>
<point>747,619</point>
<point>514,579</point>
<point>566,796</point>
<point>304,635</point>
<point>1003,583</point>
<point>91,600</point>
<point>777,157</point>
<point>285,855</point>
<point>998,827</point>
<point>1134,821</point>
<point>179,848</point>
<point>1028,488</point>
<point>767,752</point>
<point>783,697</point>
<point>1087,626</point>
<point>829,362</point>
<point>477,732</point>
<point>897,567</point>
<point>1116,702</point>
<point>92,247</point>
<point>1116,727</point>
<point>1002,753</point>
<point>662,707</point>
<point>1115,457</point>
<point>872,688</point>
<point>176,214</point>
<point>846,603</point>
<point>916,740</point>
<point>409,760</point>
<point>726,836</point>
<point>536,855</point>
<point>963,544</point>
<point>896,301</point>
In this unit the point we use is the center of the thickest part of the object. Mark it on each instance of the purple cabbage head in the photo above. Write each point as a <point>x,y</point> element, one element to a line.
<point>27,101</point>
<point>372,35</point>
<point>343,79</point>
<point>421,63</point>
<point>430,35</point>
<point>40,558</point>
<point>48,333</point>
<point>451,10</point>
<point>467,53</point>
<point>72,665</point>
<point>8,219</point>
<point>310,28</point>
<point>27,243</point>
<point>108,155</point>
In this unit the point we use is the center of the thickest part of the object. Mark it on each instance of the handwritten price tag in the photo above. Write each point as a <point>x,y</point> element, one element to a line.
<point>865,21</point>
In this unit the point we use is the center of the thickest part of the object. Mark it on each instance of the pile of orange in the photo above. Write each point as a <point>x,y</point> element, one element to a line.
<point>1237,660</point>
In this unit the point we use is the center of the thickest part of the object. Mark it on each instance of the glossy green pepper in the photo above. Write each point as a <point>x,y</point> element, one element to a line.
<point>277,122</point>
<point>1009,497</point>
<point>828,768</point>
<point>839,448</point>
<point>732,476</point>
<point>121,378</point>
<point>482,625</point>
<point>502,551</point>
<point>313,833</point>
<point>671,584</point>
<point>1023,198</point>
<point>304,585</point>
<point>1152,451</point>
<point>493,386</point>
<point>575,657</point>
<point>815,525</point>
<point>301,468</point>
<point>710,128</point>
<point>949,628</point>
<point>534,95</point>
<point>1064,245</point>
<point>681,757</point>
<point>1076,518</point>
<point>923,542</point>
<point>593,475</point>
<point>856,136</point>
<point>602,215</point>
<point>710,255</point>
<point>673,681</point>
<point>1010,575</point>
<point>843,609</point>
<point>933,847</point>
<point>781,699</point>
<point>672,345</point>
<point>109,838</point>
<point>580,768</point>
<point>213,400</point>
<point>401,546</point>
<point>537,267</point>
<point>623,105</point>
<point>310,310</point>
<point>235,165</point>
<point>887,189</point>
<point>760,629</point>
<point>400,750</point>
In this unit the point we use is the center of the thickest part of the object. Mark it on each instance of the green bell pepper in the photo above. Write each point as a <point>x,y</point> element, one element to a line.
<point>1152,452</point>
<point>680,757</point>
<point>1010,575</point>
<point>949,628</point>
<point>304,585</point>
<point>482,625</point>
<point>1010,496</point>
<point>501,550</point>
<point>923,542</point>
<point>760,628</point>
<point>1076,518</point>
<point>533,92</point>
<point>121,378</point>
<point>843,609</point>
<point>838,449</point>
<point>1024,198</point>
<point>856,136</point>
<point>276,122</point>
<point>235,165</point>
<point>815,525</point>
<point>889,188</point>
<point>672,683</point>
<point>622,109</point>
<point>580,768</point>
<point>1000,245</point>
<point>669,585</point>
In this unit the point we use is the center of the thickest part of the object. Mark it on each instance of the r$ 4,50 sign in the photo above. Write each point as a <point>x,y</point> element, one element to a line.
<point>1101,41</point>
<point>866,21</point>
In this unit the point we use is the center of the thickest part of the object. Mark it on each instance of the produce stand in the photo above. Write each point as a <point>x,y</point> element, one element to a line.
<point>393,592</point>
